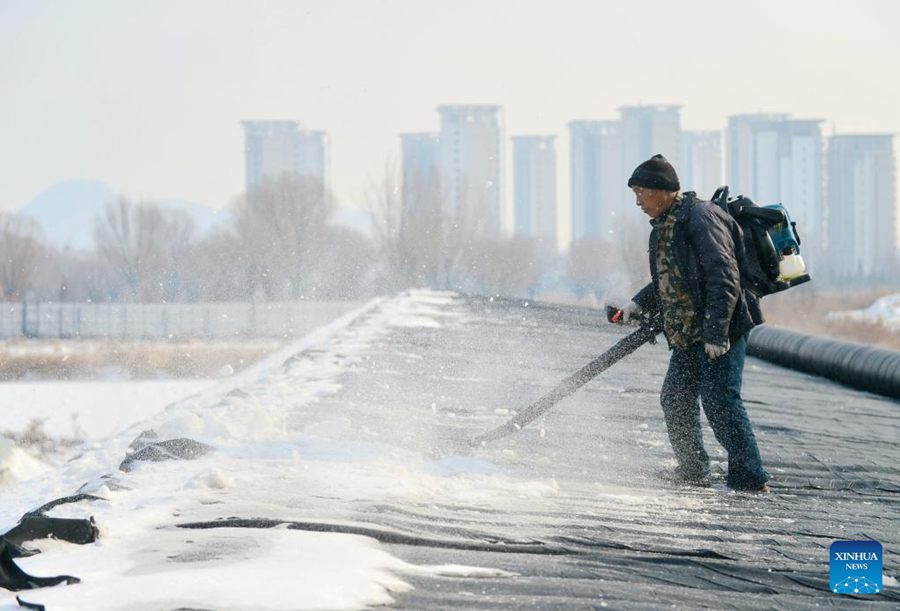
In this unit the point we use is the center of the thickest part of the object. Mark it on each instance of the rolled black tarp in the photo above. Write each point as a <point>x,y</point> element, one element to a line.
<point>874,369</point>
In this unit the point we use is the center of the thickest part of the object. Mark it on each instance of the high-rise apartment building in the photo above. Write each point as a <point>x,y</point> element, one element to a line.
<point>772,159</point>
<point>276,148</point>
<point>648,130</point>
<point>701,168</point>
<point>421,159</point>
<point>862,207</point>
<point>741,150</point>
<point>597,178</point>
<point>534,187</point>
<point>472,165</point>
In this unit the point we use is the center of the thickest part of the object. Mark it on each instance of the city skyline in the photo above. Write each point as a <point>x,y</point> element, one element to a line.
<point>772,157</point>
<point>138,95</point>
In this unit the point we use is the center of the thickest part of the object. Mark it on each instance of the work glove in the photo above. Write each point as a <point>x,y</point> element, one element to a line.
<point>629,313</point>
<point>714,351</point>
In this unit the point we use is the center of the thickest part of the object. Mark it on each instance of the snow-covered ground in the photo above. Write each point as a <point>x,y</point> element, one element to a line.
<point>885,310</point>
<point>88,411</point>
<point>261,421</point>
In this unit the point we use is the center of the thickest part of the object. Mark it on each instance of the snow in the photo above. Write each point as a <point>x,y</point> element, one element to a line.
<point>17,464</point>
<point>329,571</point>
<point>174,569</point>
<point>885,310</point>
<point>90,410</point>
<point>276,456</point>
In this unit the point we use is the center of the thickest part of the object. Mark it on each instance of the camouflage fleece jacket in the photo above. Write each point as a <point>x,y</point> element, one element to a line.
<point>679,316</point>
<point>705,247</point>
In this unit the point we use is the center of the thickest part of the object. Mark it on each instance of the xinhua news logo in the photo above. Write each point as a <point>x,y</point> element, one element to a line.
<point>856,567</point>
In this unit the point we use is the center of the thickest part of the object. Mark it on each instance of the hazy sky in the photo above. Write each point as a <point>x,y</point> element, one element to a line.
<point>148,95</point>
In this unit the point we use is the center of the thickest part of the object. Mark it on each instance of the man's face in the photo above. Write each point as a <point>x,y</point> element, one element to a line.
<point>654,202</point>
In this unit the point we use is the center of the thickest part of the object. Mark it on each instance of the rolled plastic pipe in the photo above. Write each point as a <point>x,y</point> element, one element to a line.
<point>874,369</point>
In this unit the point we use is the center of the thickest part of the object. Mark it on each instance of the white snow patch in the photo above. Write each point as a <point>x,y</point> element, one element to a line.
<point>212,478</point>
<point>17,465</point>
<point>228,568</point>
<point>142,559</point>
<point>885,311</point>
<point>456,570</point>
<point>423,309</point>
<point>92,409</point>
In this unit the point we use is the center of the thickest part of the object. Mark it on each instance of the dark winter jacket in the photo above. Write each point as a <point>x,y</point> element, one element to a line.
<point>708,250</point>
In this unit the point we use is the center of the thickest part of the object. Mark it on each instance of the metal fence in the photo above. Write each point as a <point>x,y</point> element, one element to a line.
<point>168,320</point>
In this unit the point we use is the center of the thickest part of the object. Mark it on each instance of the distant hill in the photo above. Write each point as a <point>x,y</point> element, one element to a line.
<point>67,211</point>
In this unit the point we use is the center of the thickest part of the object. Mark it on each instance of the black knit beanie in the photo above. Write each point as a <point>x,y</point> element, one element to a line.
<point>655,173</point>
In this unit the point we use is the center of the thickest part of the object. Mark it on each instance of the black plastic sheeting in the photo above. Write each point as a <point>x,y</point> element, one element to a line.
<point>35,525</point>
<point>582,513</point>
<point>874,369</point>
<point>72,530</point>
<point>15,579</point>
<point>181,448</point>
<point>27,605</point>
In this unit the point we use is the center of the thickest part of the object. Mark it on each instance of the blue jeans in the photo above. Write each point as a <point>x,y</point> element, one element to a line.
<point>692,376</point>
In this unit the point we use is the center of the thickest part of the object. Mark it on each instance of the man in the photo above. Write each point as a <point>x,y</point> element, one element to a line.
<point>695,253</point>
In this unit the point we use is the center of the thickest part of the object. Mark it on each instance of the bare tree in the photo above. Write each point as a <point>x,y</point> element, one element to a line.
<point>633,253</point>
<point>280,227</point>
<point>408,229</point>
<point>593,265</point>
<point>22,253</point>
<point>143,245</point>
<point>610,270</point>
<point>422,238</point>
<point>384,202</point>
<point>217,269</point>
<point>68,275</point>
<point>469,228</point>
<point>173,273</point>
<point>345,267</point>
<point>511,268</point>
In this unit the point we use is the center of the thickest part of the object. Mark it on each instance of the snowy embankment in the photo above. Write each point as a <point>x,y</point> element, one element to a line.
<point>884,311</point>
<point>62,415</point>
<point>273,455</point>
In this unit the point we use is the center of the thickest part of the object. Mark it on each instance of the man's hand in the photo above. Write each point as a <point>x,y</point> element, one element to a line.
<point>714,351</point>
<point>629,313</point>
